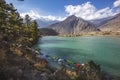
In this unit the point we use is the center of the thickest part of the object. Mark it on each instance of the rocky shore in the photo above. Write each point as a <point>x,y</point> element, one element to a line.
<point>20,62</point>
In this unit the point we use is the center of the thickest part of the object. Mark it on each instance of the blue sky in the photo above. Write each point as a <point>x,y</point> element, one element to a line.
<point>60,9</point>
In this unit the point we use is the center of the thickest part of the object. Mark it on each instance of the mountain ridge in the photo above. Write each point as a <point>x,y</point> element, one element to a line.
<point>112,25</point>
<point>73,25</point>
<point>99,22</point>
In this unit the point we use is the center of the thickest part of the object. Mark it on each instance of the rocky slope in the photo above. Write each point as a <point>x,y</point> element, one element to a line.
<point>112,25</point>
<point>99,22</point>
<point>73,25</point>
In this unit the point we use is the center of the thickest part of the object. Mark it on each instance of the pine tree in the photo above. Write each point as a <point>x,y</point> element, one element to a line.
<point>27,19</point>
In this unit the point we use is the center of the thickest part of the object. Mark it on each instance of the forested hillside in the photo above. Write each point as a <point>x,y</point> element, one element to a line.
<point>13,27</point>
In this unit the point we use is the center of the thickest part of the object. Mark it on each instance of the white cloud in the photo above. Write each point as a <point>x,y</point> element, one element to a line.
<point>31,13</point>
<point>35,15</point>
<point>88,11</point>
<point>116,3</point>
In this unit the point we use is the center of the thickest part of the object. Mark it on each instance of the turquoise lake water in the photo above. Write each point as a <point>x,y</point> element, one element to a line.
<point>103,50</point>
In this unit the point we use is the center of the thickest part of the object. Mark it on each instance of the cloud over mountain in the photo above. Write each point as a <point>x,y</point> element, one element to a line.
<point>35,15</point>
<point>88,11</point>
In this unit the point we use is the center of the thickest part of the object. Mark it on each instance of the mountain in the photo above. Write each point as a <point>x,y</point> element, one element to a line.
<point>73,25</point>
<point>99,22</point>
<point>44,23</point>
<point>112,25</point>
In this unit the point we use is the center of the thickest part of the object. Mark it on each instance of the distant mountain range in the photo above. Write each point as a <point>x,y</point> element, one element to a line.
<point>75,25</point>
<point>44,23</point>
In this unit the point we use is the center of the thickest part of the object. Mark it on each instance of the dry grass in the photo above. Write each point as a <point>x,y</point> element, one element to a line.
<point>101,33</point>
<point>41,64</point>
<point>71,73</point>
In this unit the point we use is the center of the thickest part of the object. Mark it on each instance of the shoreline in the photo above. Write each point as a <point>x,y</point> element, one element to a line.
<point>101,33</point>
<point>108,73</point>
<point>18,53</point>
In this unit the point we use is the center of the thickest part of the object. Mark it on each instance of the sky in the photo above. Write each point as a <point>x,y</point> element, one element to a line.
<point>60,9</point>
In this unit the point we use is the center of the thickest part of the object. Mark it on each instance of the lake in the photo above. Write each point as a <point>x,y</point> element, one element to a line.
<point>103,50</point>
